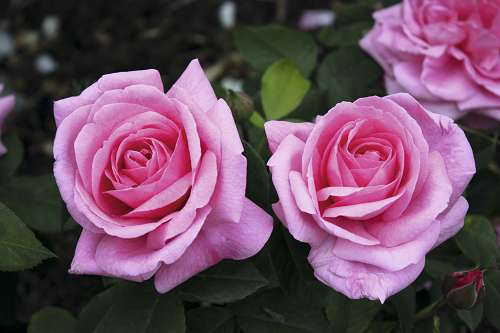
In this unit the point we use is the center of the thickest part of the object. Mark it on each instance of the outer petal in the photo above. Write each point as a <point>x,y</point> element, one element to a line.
<point>6,106</point>
<point>445,137</point>
<point>84,259</point>
<point>193,88</point>
<point>286,159</point>
<point>358,280</point>
<point>452,220</point>
<point>220,241</point>
<point>277,131</point>
<point>64,107</point>
<point>230,191</point>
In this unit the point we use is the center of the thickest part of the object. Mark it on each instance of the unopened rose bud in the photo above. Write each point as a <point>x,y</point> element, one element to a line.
<point>241,105</point>
<point>463,289</point>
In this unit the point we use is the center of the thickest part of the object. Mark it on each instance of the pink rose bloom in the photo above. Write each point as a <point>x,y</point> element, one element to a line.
<point>446,53</point>
<point>156,180</point>
<point>372,186</point>
<point>6,106</point>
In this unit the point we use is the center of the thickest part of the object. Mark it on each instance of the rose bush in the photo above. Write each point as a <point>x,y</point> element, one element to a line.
<point>372,186</point>
<point>155,179</point>
<point>6,106</point>
<point>445,53</point>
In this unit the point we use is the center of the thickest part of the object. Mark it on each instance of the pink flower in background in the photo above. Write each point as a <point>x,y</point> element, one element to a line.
<point>156,180</point>
<point>6,106</point>
<point>372,186</point>
<point>316,18</point>
<point>446,53</point>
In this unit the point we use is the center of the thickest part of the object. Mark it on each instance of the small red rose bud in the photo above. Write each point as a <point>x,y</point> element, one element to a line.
<point>462,290</point>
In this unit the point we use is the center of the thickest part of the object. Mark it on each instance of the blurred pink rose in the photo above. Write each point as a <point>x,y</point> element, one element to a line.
<point>372,186</point>
<point>6,106</point>
<point>156,180</point>
<point>446,53</point>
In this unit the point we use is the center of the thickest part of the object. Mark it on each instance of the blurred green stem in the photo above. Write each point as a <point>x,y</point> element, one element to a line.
<point>431,310</point>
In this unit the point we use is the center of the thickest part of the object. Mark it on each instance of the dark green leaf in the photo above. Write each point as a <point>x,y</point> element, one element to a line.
<point>262,46</point>
<point>492,297</point>
<point>52,320</point>
<point>438,269</point>
<point>132,308</point>
<point>10,161</point>
<point>19,248</point>
<point>258,180</point>
<point>347,14</point>
<point>405,304</point>
<point>226,282</point>
<point>472,318</point>
<point>478,241</point>
<point>350,316</point>
<point>274,312</point>
<point>36,201</point>
<point>344,36</point>
<point>210,320</point>
<point>347,74</point>
<point>8,283</point>
<point>283,88</point>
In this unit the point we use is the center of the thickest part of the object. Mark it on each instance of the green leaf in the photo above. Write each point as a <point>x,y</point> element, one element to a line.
<point>344,36</point>
<point>258,180</point>
<point>264,45</point>
<point>438,269</point>
<point>8,301</point>
<point>492,297</point>
<point>226,282</point>
<point>36,201</point>
<point>210,320</point>
<point>405,304</point>
<point>347,74</point>
<point>347,14</point>
<point>10,162</point>
<point>350,316</point>
<point>283,88</point>
<point>52,320</point>
<point>132,308</point>
<point>273,312</point>
<point>472,318</point>
<point>478,241</point>
<point>19,248</point>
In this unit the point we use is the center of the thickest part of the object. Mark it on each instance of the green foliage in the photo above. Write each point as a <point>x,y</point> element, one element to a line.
<point>226,282</point>
<point>472,318</point>
<point>210,320</point>
<point>36,200</point>
<point>264,45</point>
<point>478,241</point>
<point>10,162</point>
<point>283,88</point>
<point>52,320</point>
<point>405,304</point>
<point>18,245</point>
<point>492,298</point>
<point>132,308</point>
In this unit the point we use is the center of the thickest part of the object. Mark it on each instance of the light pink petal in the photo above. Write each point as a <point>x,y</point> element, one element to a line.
<point>131,259</point>
<point>444,77</point>
<point>84,258</point>
<point>276,131</point>
<point>301,193</point>
<point>286,158</point>
<point>445,137</point>
<point>362,210</point>
<point>407,74</point>
<point>121,80</point>
<point>193,88</point>
<point>358,280</point>
<point>389,258</point>
<point>6,107</point>
<point>351,230</point>
<point>422,211</point>
<point>452,220</point>
<point>229,194</point>
<point>64,107</point>
<point>220,241</point>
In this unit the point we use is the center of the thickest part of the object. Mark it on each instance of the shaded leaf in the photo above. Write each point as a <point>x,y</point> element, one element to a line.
<point>477,240</point>
<point>350,316</point>
<point>472,318</point>
<point>210,320</point>
<point>225,282</point>
<point>492,297</point>
<point>19,248</point>
<point>52,320</point>
<point>258,180</point>
<point>36,201</point>
<point>405,304</point>
<point>264,45</point>
<point>132,308</point>
<point>344,36</point>
<point>10,161</point>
